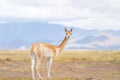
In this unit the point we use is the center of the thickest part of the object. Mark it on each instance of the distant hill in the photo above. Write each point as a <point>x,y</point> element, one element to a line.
<point>20,35</point>
<point>102,41</point>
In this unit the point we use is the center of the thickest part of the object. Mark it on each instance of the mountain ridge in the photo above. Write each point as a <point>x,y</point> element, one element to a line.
<point>23,34</point>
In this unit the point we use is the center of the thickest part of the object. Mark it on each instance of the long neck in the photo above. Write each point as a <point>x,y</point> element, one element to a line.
<point>62,45</point>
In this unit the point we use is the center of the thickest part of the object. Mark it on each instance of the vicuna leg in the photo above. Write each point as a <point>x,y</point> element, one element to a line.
<point>37,68</point>
<point>33,66</point>
<point>49,66</point>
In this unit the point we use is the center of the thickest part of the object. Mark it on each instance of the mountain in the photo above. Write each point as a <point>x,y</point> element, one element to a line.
<point>20,35</point>
<point>101,41</point>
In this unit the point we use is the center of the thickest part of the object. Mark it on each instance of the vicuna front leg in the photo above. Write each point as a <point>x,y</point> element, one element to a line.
<point>49,63</point>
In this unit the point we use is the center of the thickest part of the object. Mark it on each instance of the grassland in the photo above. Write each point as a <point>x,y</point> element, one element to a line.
<point>65,56</point>
<point>81,65</point>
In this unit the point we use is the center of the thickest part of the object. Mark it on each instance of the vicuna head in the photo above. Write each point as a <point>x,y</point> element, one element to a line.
<point>68,32</point>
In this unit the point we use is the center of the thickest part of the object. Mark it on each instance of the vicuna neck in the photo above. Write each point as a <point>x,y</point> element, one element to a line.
<point>63,43</point>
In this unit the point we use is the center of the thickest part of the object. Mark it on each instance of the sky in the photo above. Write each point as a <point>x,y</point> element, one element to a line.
<point>87,14</point>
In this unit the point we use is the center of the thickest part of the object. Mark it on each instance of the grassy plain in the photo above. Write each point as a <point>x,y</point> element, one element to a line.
<point>11,60</point>
<point>65,56</point>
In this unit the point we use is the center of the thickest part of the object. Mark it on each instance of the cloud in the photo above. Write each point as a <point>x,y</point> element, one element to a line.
<point>23,48</point>
<point>90,14</point>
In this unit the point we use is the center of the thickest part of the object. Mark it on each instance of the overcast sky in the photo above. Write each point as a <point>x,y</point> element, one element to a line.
<point>90,14</point>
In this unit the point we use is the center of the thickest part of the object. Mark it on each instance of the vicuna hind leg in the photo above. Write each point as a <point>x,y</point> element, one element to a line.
<point>37,67</point>
<point>33,66</point>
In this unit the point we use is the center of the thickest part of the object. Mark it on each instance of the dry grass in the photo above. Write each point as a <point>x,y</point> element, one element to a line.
<point>65,56</point>
<point>16,78</point>
<point>49,79</point>
<point>14,55</point>
<point>102,56</point>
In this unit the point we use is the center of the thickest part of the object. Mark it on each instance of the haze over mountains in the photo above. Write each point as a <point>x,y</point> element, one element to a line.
<point>20,35</point>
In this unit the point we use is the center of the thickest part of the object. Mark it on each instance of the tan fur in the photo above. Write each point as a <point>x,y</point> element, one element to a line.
<point>53,48</point>
<point>39,50</point>
<point>32,49</point>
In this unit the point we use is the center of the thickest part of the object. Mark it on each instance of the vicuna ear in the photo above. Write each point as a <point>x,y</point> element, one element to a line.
<point>65,29</point>
<point>71,29</point>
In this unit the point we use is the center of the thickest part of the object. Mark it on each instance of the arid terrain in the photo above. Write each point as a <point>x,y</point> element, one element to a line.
<point>70,65</point>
